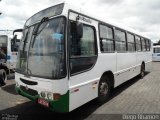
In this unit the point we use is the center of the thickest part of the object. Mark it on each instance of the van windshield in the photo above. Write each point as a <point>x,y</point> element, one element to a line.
<point>157,50</point>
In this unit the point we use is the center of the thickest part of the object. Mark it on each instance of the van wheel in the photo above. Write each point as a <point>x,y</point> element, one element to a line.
<point>142,73</point>
<point>103,89</point>
<point>3,77</point>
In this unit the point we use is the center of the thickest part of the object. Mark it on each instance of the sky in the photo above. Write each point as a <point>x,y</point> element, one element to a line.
<point>141,15</point>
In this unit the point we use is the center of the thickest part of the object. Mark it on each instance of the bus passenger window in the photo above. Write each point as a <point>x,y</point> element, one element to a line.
<point>147,45</point>
<point>131,43</point>
<point>143,44</point>
<point>120,39</point>
<point>106,39</point>
<point>138,43</point>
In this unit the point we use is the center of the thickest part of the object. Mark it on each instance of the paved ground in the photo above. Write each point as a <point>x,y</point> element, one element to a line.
<point>137,96</point>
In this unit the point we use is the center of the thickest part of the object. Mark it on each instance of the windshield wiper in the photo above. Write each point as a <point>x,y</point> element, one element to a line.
<point>36,30</point>
<point>25,41</point>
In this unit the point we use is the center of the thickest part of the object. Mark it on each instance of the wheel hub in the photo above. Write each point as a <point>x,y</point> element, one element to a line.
<point>104,89</point>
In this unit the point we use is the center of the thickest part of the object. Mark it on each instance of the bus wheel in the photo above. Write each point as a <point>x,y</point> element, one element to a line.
<point>103,89</point>
<point>142,71</point>
<point>3,77</point>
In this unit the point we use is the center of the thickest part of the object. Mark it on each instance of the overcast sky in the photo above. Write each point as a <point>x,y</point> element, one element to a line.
<point>141,15</point>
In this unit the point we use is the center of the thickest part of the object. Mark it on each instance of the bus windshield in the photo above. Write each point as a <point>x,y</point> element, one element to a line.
<point>49,12</point>
<point>42,54</point>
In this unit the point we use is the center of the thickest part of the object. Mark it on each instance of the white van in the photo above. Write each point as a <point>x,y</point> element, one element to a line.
<point>156,53</point>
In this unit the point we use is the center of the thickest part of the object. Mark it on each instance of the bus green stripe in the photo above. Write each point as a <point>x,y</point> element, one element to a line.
<point>61,105</point>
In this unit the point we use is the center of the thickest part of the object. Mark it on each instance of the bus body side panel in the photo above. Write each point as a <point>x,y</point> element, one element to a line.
<point>140,58</point>
<point>145,57</point>
<point>149,61</point>
<point>126,67</point>
<point>84,87</point>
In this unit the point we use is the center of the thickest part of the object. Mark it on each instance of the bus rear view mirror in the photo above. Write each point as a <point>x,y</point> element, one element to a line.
<point>79,29</point>
<point>17,30</point>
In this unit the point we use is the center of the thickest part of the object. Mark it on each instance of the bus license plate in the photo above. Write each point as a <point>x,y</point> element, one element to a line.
<point>43,102</point>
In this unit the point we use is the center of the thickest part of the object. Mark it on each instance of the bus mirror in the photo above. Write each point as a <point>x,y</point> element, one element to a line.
<point>79,29</point>
<point>17,30</point>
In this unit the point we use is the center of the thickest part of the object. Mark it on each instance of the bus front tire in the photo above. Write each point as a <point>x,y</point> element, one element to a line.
<point>103,89</point>
<point>3,77</point>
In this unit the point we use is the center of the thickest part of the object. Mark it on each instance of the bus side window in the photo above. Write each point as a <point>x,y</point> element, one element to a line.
<point>147,45</point>
<point>138,43</point>
<point>131,43</point>
<point>83,52</point>
<point>106,38</point>
<point>120,39</point>
<point>143,44</point>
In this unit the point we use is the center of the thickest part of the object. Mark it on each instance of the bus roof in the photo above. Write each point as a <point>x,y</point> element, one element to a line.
<point>103,19</point>
<point>69,6</point>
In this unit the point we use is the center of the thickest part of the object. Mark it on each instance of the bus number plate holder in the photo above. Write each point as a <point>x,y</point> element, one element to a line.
<point>43,102</point>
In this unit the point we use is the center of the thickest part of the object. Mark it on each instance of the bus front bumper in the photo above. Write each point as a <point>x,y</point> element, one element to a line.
<point>61,105</point>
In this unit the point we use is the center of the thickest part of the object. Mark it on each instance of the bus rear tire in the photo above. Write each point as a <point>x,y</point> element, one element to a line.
<point>103,89</point>
<point>3,77</point>
<point>142,73</point>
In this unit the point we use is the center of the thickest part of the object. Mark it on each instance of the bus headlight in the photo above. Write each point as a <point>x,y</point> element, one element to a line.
<point>50,96</point>
<point>17,84</point>
<point>43,94</point>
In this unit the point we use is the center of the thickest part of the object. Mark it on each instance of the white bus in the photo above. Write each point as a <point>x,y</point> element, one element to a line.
<point>9,45</point>
<point>68,58</point>
<point>156,53</point>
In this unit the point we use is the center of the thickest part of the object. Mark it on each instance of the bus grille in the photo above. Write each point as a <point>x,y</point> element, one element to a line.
<point>29,91</point>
